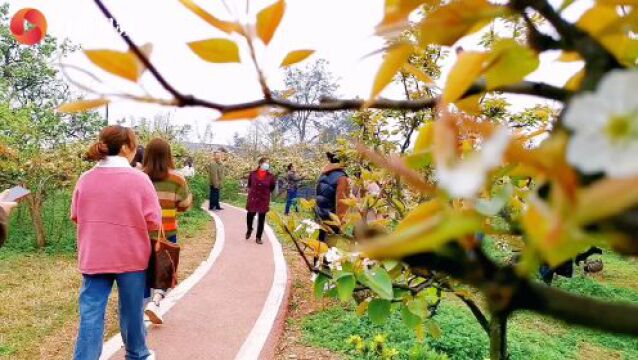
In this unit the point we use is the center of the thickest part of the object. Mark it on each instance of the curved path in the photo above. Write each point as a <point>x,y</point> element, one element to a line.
<point>232,307</point>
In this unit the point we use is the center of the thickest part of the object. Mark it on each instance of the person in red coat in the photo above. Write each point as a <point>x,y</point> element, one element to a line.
<point>261,183</point>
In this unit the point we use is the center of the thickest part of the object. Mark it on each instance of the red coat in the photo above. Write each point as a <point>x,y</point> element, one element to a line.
<point>259,191</point>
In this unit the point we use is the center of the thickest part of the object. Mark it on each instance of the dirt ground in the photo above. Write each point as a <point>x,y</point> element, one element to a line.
<point>302,303</point>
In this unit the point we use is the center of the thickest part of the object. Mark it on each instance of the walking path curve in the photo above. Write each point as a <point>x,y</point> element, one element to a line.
<point>232,307</point>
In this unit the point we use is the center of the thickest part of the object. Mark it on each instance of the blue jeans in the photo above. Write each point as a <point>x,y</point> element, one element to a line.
<point>291,201</point>
<point>94,296</point>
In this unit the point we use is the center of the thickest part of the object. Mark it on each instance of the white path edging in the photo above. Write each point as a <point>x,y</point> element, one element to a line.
<point>254,343</point>
<point>114,344</point>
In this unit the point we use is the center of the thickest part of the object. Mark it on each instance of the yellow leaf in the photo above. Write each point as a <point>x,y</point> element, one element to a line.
<point>606,198</point>
<point>317,247</point>
<point>425,139</point>
<point>268,20</point>
<point>397,11</point>
<point>467,68</point>
<point>82,105</point>
<point>394,59</point>
<point>569,56</point>
<point>417,73</point>
<point>619,2</point>
<point>509,63</point>
<point>122,64</point>
<point>574,82</point>
<point>296,56</point>
<point>246,114</point>
<point>216,50</point>
<point>420,214</point>
<point>597,19</point>
<point>447,24</point>
<point>226,26</point>
<point>424,236</point>
<point>470,104</point>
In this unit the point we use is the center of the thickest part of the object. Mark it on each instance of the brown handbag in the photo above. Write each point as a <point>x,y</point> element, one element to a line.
<point>162,267</point>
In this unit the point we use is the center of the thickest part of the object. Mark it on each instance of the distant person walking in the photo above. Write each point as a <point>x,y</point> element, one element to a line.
<point>332,187</point>
<point>215,180</point>
<point>261,183</point>
<point>115,207</point>
<point>293,180</point>
<point>174,197</point>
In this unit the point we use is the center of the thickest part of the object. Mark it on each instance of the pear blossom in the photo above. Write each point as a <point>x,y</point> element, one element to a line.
<point>466,177</point>
<point>333,256</point>
<point>605,126</point>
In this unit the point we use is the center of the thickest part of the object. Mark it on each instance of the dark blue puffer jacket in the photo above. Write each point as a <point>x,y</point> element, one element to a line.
<point>327,193</point>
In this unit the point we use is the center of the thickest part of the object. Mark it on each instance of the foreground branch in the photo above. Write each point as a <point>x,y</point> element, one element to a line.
<point>326,105</point>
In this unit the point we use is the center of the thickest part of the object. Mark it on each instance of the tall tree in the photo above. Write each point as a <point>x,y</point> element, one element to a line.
<point>309,84</point>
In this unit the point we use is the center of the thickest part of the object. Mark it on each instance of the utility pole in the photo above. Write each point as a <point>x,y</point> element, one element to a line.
<point>107,114</point>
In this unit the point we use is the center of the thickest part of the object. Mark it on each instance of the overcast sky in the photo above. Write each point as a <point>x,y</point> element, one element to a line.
<point>340,31</point>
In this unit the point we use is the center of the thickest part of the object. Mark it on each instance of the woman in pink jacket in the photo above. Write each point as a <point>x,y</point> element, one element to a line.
<point>114,206</point>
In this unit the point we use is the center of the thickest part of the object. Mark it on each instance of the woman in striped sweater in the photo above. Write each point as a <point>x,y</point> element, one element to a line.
<point>174,196</point>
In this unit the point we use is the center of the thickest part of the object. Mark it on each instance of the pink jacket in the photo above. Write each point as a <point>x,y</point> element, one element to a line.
<point>114,207</point>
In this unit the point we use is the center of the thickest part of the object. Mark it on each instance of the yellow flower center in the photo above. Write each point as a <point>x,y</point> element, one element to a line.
<point>622,127</point>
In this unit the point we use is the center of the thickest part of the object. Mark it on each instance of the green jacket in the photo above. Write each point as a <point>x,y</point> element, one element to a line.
<point>216,175</point>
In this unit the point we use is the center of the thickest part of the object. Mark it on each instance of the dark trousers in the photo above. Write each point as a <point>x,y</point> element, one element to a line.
<point>214,199</point>
<point>250,219</point>
<point>291,201</point>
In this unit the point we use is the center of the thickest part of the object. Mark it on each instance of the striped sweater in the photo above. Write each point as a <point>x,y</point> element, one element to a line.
<point>175,197</point>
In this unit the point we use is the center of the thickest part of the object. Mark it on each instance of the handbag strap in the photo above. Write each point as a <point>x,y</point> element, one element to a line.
<point>161,237</point>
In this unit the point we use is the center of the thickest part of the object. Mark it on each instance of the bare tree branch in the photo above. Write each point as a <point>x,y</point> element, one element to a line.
<point>327,105</point>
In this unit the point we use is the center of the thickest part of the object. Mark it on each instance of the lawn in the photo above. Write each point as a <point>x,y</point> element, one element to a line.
<point>530,336</point>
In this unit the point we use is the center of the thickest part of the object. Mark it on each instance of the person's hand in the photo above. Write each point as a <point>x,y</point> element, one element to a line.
<point>7,206</point>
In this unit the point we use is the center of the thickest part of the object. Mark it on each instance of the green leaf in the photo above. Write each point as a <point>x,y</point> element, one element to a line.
<point>510,63</point>
<point>410,319</point>
<point>419,161</point>
<point>417,307</point>
<point>345,287</point>
<point>379,311</point>
<point>433,328</point>
<point>320,283</point>
<point>379,281</point>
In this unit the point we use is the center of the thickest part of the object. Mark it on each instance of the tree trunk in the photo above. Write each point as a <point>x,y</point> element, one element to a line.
<point>35,207</point>
<point>498,337</point>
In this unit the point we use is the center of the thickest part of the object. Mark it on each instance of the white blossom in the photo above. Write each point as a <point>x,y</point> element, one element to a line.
<point>605,126</point>
<point>466,177</point>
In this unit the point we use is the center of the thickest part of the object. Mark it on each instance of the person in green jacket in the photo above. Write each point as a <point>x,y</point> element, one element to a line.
<point>215,180</point>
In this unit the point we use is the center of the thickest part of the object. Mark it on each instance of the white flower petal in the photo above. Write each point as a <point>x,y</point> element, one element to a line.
<point>587,112</point>
<point>624,161</point>
<point>589,152</point>
<point>619,89</point>
<point>465,179</point>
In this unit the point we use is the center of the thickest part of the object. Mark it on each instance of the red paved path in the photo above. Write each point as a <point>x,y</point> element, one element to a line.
<point>215,317</point>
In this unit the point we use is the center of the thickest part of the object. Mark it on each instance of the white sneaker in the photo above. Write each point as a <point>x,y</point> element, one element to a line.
<point>153,313</point>
<point>152,356</point>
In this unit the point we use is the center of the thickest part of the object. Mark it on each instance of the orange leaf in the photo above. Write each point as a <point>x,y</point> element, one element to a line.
<point>226,26</point>
<point>246,114</point>
<point>394,59</point>
<point>296,56</point>
<point>397,12</point>
<point>605,198</point>
<point>82,105</point>
<point>122,64</point>
<point>268,20</point>
<point>216,50</point>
